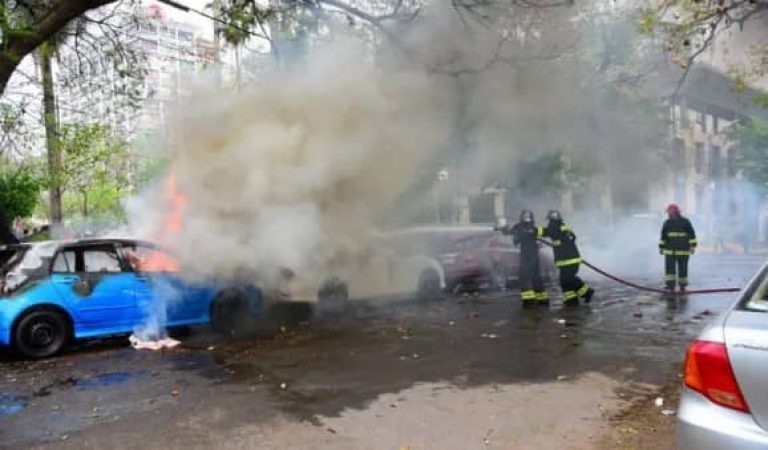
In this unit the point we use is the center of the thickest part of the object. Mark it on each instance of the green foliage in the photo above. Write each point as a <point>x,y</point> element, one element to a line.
<point>19,191</point>
<point>751,139</point>
<point>96,169</point>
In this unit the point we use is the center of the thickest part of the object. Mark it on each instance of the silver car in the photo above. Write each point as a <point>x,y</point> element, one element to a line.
<point>725,398</point>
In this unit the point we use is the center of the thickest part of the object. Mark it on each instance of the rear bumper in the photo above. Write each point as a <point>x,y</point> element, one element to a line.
<point>703,425</point>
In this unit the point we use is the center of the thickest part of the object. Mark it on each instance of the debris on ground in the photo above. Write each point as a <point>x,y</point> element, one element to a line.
<point>637,314</point>
<point>159,344</point>
<point>283,386</point>
<point>668,412</point>
<point>659,402</point>
<point>562,377</point>
<point>175,393</point>
<point>489,336</point>
<point>561,321</point>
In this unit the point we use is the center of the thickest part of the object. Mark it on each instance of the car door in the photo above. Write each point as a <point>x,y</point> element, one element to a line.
<point>93,281</point>
<point>160,292</point>
<point>503,249</point>
<point>746,338</point>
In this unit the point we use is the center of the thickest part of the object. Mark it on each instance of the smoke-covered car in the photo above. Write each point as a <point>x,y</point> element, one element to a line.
<point>52,293</point>
<point>725,401</point>
<point>486,259</point>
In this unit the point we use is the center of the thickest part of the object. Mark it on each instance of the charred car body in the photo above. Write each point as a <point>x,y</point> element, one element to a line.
<point>472,257</point>
<point>55,292</point>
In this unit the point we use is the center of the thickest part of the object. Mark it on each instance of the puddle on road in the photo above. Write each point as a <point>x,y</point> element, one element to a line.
<point>108,379</point>
<point>11,404</point>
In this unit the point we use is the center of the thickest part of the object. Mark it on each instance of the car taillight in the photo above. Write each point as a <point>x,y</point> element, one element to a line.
<point>708,371</point>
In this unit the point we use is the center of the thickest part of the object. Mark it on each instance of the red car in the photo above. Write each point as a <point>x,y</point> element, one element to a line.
<point>486,260</point>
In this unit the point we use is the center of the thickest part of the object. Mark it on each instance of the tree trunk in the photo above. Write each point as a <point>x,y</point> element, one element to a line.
<point>51,133</point>
<point>85,204</point>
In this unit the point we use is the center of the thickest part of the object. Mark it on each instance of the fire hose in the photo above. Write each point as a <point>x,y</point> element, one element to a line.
<point>647,288</point>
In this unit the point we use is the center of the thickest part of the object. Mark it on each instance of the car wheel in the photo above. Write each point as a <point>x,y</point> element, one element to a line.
<point>41,334</point>
<point>429,284</point>
<point>228,311</point>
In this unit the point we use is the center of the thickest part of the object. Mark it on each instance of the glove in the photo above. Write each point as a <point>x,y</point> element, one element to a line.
<point>661,251</point>
<point>693,250</point>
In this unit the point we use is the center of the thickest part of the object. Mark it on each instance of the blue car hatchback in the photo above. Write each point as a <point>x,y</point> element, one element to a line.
<point>52,293</point>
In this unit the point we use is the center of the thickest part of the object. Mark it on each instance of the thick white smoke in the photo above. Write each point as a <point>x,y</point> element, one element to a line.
<point>294,171</point>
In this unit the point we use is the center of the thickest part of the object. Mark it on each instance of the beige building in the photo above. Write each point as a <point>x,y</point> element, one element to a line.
<point>702,177</point>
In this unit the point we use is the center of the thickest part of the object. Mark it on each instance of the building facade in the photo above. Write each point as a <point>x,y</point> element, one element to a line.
<point>702,176</point>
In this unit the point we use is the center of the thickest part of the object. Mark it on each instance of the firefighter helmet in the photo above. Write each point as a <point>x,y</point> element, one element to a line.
<point>526,216</point>
<point>673,209</point>
<point>554,216</point>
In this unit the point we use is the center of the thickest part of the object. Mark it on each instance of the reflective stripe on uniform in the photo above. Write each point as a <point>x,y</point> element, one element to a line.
<point>692,241</point>
<point>661,243</point>
<point>674,234</point>
<point>568,262</point>
<point>528,295</point>
<point>570,295</point>
<point>583,290</point>
<point>565,228</point>
<point>539,231</point>
<point>677,252</point>
<point>683,281</point>
<point>557,243</point>
<point>671,277</point>
<point>542,296</point>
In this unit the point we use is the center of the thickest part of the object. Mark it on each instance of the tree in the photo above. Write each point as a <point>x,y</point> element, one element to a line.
<point>19,191</point>
<point>690,28</point>
<point>95,169</point>
<point>24,26</point>
<point>751,139</point>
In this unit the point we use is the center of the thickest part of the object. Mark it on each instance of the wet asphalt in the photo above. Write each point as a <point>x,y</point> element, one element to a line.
<point>347,357</point>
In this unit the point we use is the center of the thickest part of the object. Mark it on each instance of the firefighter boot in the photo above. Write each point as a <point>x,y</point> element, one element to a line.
<point>588,296</point>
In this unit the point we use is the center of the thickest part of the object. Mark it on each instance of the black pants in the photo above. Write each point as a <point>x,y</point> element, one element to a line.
<point>573,287</point>
<point>676,270</point>
<point>531,285</point>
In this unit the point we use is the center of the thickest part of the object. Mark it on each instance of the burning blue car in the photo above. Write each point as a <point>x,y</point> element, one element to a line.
<point>52,293</point>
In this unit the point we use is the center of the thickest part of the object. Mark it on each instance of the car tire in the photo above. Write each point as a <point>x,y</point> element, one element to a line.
<point>228,311</point>
<point>429,285</point>
<point>41,334</point>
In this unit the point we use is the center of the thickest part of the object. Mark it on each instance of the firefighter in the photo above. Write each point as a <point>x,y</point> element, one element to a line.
<point>677,244</point>
<point>567,259</point>
<point>524,234</point>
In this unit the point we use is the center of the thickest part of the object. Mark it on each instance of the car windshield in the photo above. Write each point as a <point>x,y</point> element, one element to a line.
<point>757,297</point>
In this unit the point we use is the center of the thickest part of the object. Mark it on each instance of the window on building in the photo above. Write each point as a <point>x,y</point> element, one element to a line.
<point>148,27</point>
<point>714,161</point>
<point>699,158</point>
<point>731,163</point>
<point>684,119</point>
<point>701,120</point>
<point>678,155</point>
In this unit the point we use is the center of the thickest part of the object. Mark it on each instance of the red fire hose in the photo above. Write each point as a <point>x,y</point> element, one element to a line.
<point>658,291</point>
<point>650,289</point>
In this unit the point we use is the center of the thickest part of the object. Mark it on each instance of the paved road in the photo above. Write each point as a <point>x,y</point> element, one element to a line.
<point>462,372</point>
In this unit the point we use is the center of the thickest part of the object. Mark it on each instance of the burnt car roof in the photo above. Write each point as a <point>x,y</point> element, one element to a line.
<point>69,242</point>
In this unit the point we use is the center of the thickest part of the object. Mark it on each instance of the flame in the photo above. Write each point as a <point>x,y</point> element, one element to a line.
<point>159,260</point>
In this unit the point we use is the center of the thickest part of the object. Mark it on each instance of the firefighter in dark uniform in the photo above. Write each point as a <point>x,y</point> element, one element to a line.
<point>677,244</point>
<point>525,235</point>
<point>567,259</point>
